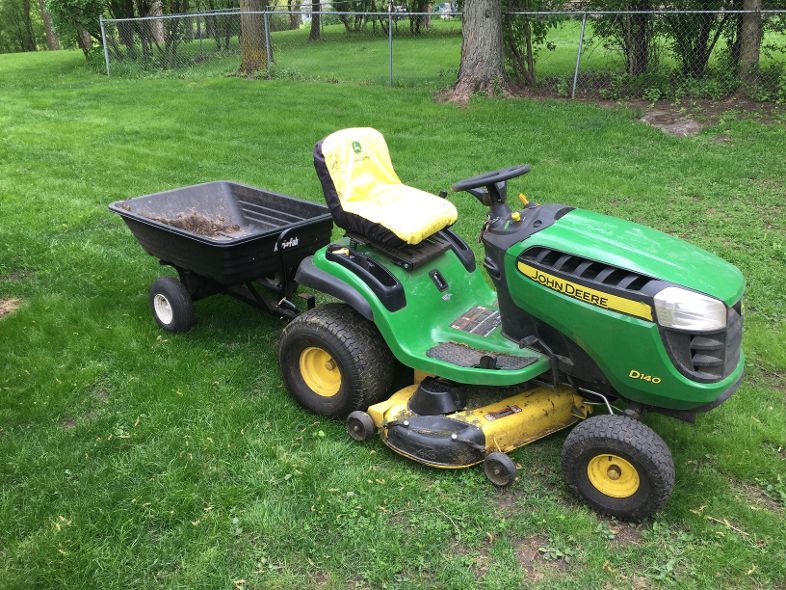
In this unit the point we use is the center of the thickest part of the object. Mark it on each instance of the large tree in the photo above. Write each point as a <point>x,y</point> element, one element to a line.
<point>77,19</point>
<point>313,34</point>
<point>481,67</point>
<point>16,26</point>
<point>749,42</point>
<point>253,48</point>
<point>52,42</point>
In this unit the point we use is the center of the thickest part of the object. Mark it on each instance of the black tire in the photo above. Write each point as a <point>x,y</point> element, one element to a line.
<point>602,441</point>
<point>500,469</point>
<point>171,305</point>
<point>360,426</point>
<point>355,346</point>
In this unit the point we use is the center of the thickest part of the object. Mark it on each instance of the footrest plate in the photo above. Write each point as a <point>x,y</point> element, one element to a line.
<point>466,356</point>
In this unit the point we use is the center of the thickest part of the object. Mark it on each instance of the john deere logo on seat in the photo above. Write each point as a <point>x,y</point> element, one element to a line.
<point>357,147</point>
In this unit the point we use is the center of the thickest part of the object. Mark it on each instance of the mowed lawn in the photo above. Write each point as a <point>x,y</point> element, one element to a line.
<point>130,458</point>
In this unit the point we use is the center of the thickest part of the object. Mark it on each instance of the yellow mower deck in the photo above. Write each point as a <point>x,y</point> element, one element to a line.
<point>464,438</point>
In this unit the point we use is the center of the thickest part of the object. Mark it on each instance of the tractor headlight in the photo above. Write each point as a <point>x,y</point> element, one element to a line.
<point>690,311</point>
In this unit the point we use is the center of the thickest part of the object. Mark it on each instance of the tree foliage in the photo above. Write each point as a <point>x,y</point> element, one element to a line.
<point>524,36</point>
<point>21,26</point>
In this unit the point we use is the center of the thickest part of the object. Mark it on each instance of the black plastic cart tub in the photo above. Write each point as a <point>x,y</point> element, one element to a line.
<point>264,233</point>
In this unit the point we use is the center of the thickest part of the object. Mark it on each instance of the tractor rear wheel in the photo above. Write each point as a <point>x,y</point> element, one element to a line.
<point>334,361</point>
<point>619,466</point>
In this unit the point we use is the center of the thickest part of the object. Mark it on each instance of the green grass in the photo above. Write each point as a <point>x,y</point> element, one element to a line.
<point>134,459</point>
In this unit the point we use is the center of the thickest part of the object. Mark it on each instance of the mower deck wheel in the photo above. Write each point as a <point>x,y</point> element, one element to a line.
<point>500,469</point>
<point>360,426</point>
<point>619,466</point>
<point>171,305</point>
<point>334,361</point>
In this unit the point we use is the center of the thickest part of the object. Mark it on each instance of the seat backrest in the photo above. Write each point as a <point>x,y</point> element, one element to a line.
<point>366,196</point>
<point>355,161</point>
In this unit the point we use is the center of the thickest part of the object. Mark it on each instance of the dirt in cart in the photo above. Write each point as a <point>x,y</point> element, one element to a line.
<point>199,223</point>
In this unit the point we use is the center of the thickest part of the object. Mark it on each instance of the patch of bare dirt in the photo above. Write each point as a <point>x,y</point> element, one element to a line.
<point>626,534</point>
<point>530,557</point>
<point>320,579</point>
<point>756,497</point>
<point>506,498</point>
<point>15,275</point>
<point>201,224</point>
<point>68,423</point>
<point>9,306</point>
<point>705,111</point>
<point>672,123</point>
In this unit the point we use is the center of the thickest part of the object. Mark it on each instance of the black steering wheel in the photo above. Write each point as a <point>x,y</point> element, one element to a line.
<point>490,178</point>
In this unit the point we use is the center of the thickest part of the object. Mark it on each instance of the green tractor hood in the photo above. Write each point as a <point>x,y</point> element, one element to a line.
<point>643,250</point>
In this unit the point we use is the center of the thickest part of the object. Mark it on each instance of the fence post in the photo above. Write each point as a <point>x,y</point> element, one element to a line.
<point>390,43</point>
<point>103,42</point>
<point>199,34</point>
<point>267,40</point>
<point>578,55</point>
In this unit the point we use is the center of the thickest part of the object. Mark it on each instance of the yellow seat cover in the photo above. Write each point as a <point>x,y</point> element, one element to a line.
<point>362,173</point>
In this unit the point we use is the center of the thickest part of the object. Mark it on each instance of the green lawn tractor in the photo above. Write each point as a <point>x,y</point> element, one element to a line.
<point>582,311</point>
<point>575,318</point>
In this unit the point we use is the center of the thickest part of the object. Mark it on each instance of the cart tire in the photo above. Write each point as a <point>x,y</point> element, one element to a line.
<point>171,305</point>
<point>333,361</point>
<point>619,466</point>
<point>500,469</point>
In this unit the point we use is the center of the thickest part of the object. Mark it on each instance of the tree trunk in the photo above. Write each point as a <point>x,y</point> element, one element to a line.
<point>52,42</point>
<point>481,67</point>
<point>85,41</point>
<point>750,43</point>
<point>28,37</point>
<point>254,55</point>
<point>314,35</point>
<point>637,39</point>
<point>157,26</point>
<point>294,17</point>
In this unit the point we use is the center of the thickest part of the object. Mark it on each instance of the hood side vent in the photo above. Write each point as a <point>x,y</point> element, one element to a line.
<point>590,271</point>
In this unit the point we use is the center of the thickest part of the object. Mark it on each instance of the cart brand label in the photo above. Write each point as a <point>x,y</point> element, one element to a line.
<point>506,411</point>
<point>290,243</point>
<point>587,294</point>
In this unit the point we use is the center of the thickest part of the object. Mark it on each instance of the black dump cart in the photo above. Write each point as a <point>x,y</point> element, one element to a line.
<point>224,237</point>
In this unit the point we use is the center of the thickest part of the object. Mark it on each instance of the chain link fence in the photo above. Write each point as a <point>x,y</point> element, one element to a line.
<point>335,46</point>
<point>597,55</point>
<point>648,54</point>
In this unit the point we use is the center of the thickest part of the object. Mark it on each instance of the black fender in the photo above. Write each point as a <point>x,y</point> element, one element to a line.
<point>309,275</point>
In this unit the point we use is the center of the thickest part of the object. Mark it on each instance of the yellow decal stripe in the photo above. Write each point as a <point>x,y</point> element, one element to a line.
<point>586,294</point>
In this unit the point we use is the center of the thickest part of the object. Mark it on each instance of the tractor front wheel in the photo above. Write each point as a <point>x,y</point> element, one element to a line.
<point>619,466</point>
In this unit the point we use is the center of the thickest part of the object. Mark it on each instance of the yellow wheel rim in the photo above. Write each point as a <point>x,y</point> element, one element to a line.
<point>613,476</point>
<point>320,371</point>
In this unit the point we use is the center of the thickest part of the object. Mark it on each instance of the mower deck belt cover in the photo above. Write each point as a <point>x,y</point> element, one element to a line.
<point>366,196</point>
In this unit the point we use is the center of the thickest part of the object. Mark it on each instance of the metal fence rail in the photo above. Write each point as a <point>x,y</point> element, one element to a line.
<point>588,54</point>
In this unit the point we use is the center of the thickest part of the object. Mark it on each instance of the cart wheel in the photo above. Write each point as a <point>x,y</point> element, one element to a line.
<point>171,305</point>
<point>360,426</point>
<point>619,466</point>
<point>334,361</point>
<point>500,469</point>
